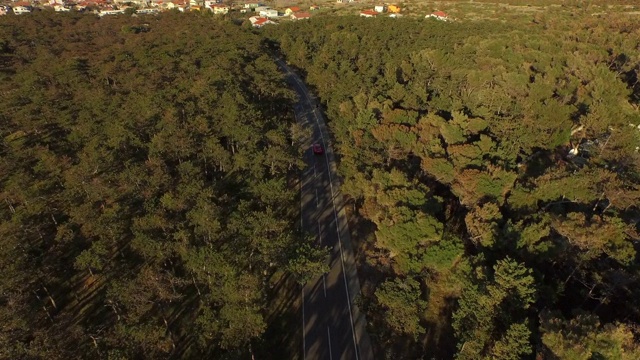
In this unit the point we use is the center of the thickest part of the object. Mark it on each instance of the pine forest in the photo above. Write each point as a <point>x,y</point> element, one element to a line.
<point>149,201</point>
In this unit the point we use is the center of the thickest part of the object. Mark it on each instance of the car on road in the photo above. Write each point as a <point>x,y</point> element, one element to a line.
<point>317,149</point>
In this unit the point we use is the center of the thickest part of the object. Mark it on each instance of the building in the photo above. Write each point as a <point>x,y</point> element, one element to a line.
<point>259,22</point>
<point>439,15</point>
<point>261,8</point>
<point>271,13</point>
<point>300,16</point>
<point>369,13</point>
<point>380,8</point>
<point>314,7</point>
<point>180,5</point>
<point>220,9</point>
<point>393,9</point>
<point>22,8</point>
<point>291,10</point>
<point>110,12</point>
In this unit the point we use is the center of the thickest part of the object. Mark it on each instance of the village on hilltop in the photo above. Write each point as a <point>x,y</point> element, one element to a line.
<point>264,14</point>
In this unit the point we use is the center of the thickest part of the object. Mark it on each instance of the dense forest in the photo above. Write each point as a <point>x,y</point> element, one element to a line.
<point>148,164</point>
<point>495,169</point>
<point>145,182</point>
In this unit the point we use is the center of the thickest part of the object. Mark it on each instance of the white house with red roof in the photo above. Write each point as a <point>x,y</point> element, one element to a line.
<point>439,15</point>
<point>368,13</point>
<point>258,22</point>
<point>220,9</point>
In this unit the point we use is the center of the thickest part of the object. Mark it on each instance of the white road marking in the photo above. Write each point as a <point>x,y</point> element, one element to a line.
<point>304,340</point>
<point>329,337</point>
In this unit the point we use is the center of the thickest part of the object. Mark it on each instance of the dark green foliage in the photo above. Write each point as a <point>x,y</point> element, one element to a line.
<point>144,185</point>
<point>520,139</point>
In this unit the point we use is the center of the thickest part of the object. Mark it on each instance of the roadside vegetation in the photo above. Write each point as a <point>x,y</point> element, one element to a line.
<point>495,171</point>
<point>147,204</point>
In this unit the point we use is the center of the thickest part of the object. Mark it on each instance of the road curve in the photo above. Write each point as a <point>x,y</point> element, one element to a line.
<point>332,326</point>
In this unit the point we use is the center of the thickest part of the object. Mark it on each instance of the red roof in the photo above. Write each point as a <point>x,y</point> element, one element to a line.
<point>302,15</point>
<point>440,14</point>
<point>294,8</point>
<point>260,21</point>
<point>23,3</point>
<point>370,12</point>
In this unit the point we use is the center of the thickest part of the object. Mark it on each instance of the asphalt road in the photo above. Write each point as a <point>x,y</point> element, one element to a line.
<point>333,327</point>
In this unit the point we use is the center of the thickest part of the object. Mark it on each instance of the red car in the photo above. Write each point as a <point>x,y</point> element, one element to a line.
<point>317,149</point>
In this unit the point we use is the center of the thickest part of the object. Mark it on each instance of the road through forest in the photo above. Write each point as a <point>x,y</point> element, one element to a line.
<point>332,325</point>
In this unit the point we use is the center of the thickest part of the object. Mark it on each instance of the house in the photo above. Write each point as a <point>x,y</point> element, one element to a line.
<point>314,7</point>
<point>393,9</point>
<point>261,21</point>
<point>260,8</point>
<point>368,13</point>
<point>251,5</point>
<point>208,4</point>
<point>139,3</point>
<point>220,9</point>
<point>60,8</point>
<point>110,12</point>
<point>291,10</point>
<point>22,7</point>
<point>195,8</point>
<point>4,10</point>
<point>395,15</point>
<point>380,8</point>
<point>147,11</point>
<point>271,13</point>
<point>180,5</point>
<point>300,16</point>
<point>439,15</point>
